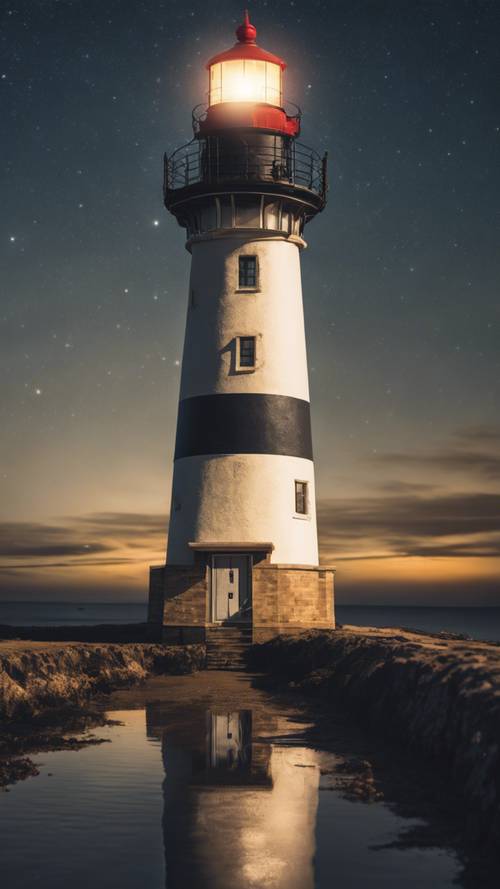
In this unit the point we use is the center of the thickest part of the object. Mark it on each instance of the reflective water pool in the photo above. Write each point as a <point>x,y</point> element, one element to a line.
<point>210,783</point>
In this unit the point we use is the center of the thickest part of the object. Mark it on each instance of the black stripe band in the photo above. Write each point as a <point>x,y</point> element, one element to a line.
<point>243,424</point>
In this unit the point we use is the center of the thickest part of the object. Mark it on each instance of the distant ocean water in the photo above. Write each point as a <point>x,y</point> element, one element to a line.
<point>477,622</point>
<point>52,614</point>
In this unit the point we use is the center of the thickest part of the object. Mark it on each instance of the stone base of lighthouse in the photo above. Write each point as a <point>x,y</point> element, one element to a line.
<point>187,601</point>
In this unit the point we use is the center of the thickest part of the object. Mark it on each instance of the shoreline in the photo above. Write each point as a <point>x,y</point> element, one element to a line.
<point>39,677</point>
<point>438,696</point>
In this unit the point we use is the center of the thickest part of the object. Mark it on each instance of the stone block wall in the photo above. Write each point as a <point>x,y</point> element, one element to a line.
<point>156,594</point>
<point>285,599</point>
<point>291,598</point>
<point>185,595</point>
<point>178,602</point>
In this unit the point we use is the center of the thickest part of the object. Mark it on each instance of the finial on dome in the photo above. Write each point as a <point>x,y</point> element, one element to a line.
<point>246,33</point>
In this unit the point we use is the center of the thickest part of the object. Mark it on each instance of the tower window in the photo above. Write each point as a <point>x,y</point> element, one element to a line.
<point>301,498</point>
<point>247,271</point>
<point>245,352</point>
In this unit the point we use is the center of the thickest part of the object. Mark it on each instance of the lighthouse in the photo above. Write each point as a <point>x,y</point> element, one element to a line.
<point>242,555</point>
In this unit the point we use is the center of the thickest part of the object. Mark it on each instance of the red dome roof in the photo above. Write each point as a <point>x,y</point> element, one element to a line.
<point>246,47</point>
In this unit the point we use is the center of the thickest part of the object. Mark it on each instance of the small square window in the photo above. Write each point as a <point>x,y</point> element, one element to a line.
<point>246,352</point>
<point>301,498</point>
<point>247,271</point>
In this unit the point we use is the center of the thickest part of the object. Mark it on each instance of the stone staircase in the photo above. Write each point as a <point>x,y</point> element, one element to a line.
<point>226,647</point>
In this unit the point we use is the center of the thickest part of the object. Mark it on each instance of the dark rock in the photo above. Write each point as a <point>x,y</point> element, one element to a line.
<point>15,768</point>
<point>438,694</point>
<point>37,677</point>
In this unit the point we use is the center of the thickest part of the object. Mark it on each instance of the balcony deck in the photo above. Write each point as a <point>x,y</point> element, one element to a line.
<point>210,162</point>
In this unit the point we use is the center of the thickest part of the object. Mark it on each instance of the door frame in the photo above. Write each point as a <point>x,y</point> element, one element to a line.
<point>248,557</point>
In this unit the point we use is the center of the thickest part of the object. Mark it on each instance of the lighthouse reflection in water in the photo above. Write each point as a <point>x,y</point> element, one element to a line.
<point>238,812</point>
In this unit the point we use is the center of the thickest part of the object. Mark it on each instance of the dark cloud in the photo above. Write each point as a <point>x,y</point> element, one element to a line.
<point>485,549</point>
<point>482,433</point>
<point>28,566</point>
<point>413,525</point>
<point>123,525</point>
<point>25,539</point>
<point>135,521</point>
<point>413,518</point>
<point>68,549</point>
<point>403,487</point>
<point>473,450</point>
<point>480,463</point>
<point>79,540</point>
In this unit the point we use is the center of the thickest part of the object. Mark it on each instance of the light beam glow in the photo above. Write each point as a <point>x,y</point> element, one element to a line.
<point>245,80</point>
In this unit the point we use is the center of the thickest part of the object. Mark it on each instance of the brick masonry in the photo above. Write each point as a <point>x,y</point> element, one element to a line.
<point>290,598</point>
<point>285,599</point>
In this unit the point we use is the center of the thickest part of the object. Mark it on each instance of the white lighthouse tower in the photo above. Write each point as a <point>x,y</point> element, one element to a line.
<point>242,543</point>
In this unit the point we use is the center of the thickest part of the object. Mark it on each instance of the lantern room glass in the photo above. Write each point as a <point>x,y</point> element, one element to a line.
<point>245,80</point>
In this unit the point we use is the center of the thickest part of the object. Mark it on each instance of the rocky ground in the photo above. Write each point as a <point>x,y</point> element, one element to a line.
<point>439,695</point>
<point>70,730</point>
<point>39,676</point>
<point>46,690</point>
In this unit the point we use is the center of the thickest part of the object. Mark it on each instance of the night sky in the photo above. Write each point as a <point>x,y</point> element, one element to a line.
<point>400,287</point>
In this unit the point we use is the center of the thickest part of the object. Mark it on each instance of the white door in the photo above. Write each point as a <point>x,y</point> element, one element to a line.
<point>230,587</point>
<point>226,740</point>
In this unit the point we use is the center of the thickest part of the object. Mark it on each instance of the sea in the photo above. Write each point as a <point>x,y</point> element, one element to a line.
<point>476,622</point>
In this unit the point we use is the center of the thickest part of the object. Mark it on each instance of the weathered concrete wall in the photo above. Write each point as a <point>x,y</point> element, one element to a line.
<point>439,695</point>
<point>235,496</point>
<point>40,676</point>
<point>243,497</point>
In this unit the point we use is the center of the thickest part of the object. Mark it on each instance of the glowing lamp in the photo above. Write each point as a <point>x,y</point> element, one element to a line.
<point>246,73</point>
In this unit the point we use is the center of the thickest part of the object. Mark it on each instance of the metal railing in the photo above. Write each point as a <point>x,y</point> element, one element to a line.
<point>214,161</point>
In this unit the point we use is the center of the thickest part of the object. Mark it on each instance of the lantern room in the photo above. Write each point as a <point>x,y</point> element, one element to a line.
<point>245,87</point>
<point>245,80</point>
<point>246,73</point>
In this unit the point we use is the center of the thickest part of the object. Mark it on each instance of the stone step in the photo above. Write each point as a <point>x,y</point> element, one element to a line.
<point>226,657</point>
<point>226,648</point>
<point>219,649</point>
<point>229,634</point>
<point>226,652</point>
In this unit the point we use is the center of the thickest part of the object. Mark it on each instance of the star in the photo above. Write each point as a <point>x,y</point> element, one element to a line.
<point>156,222</point>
